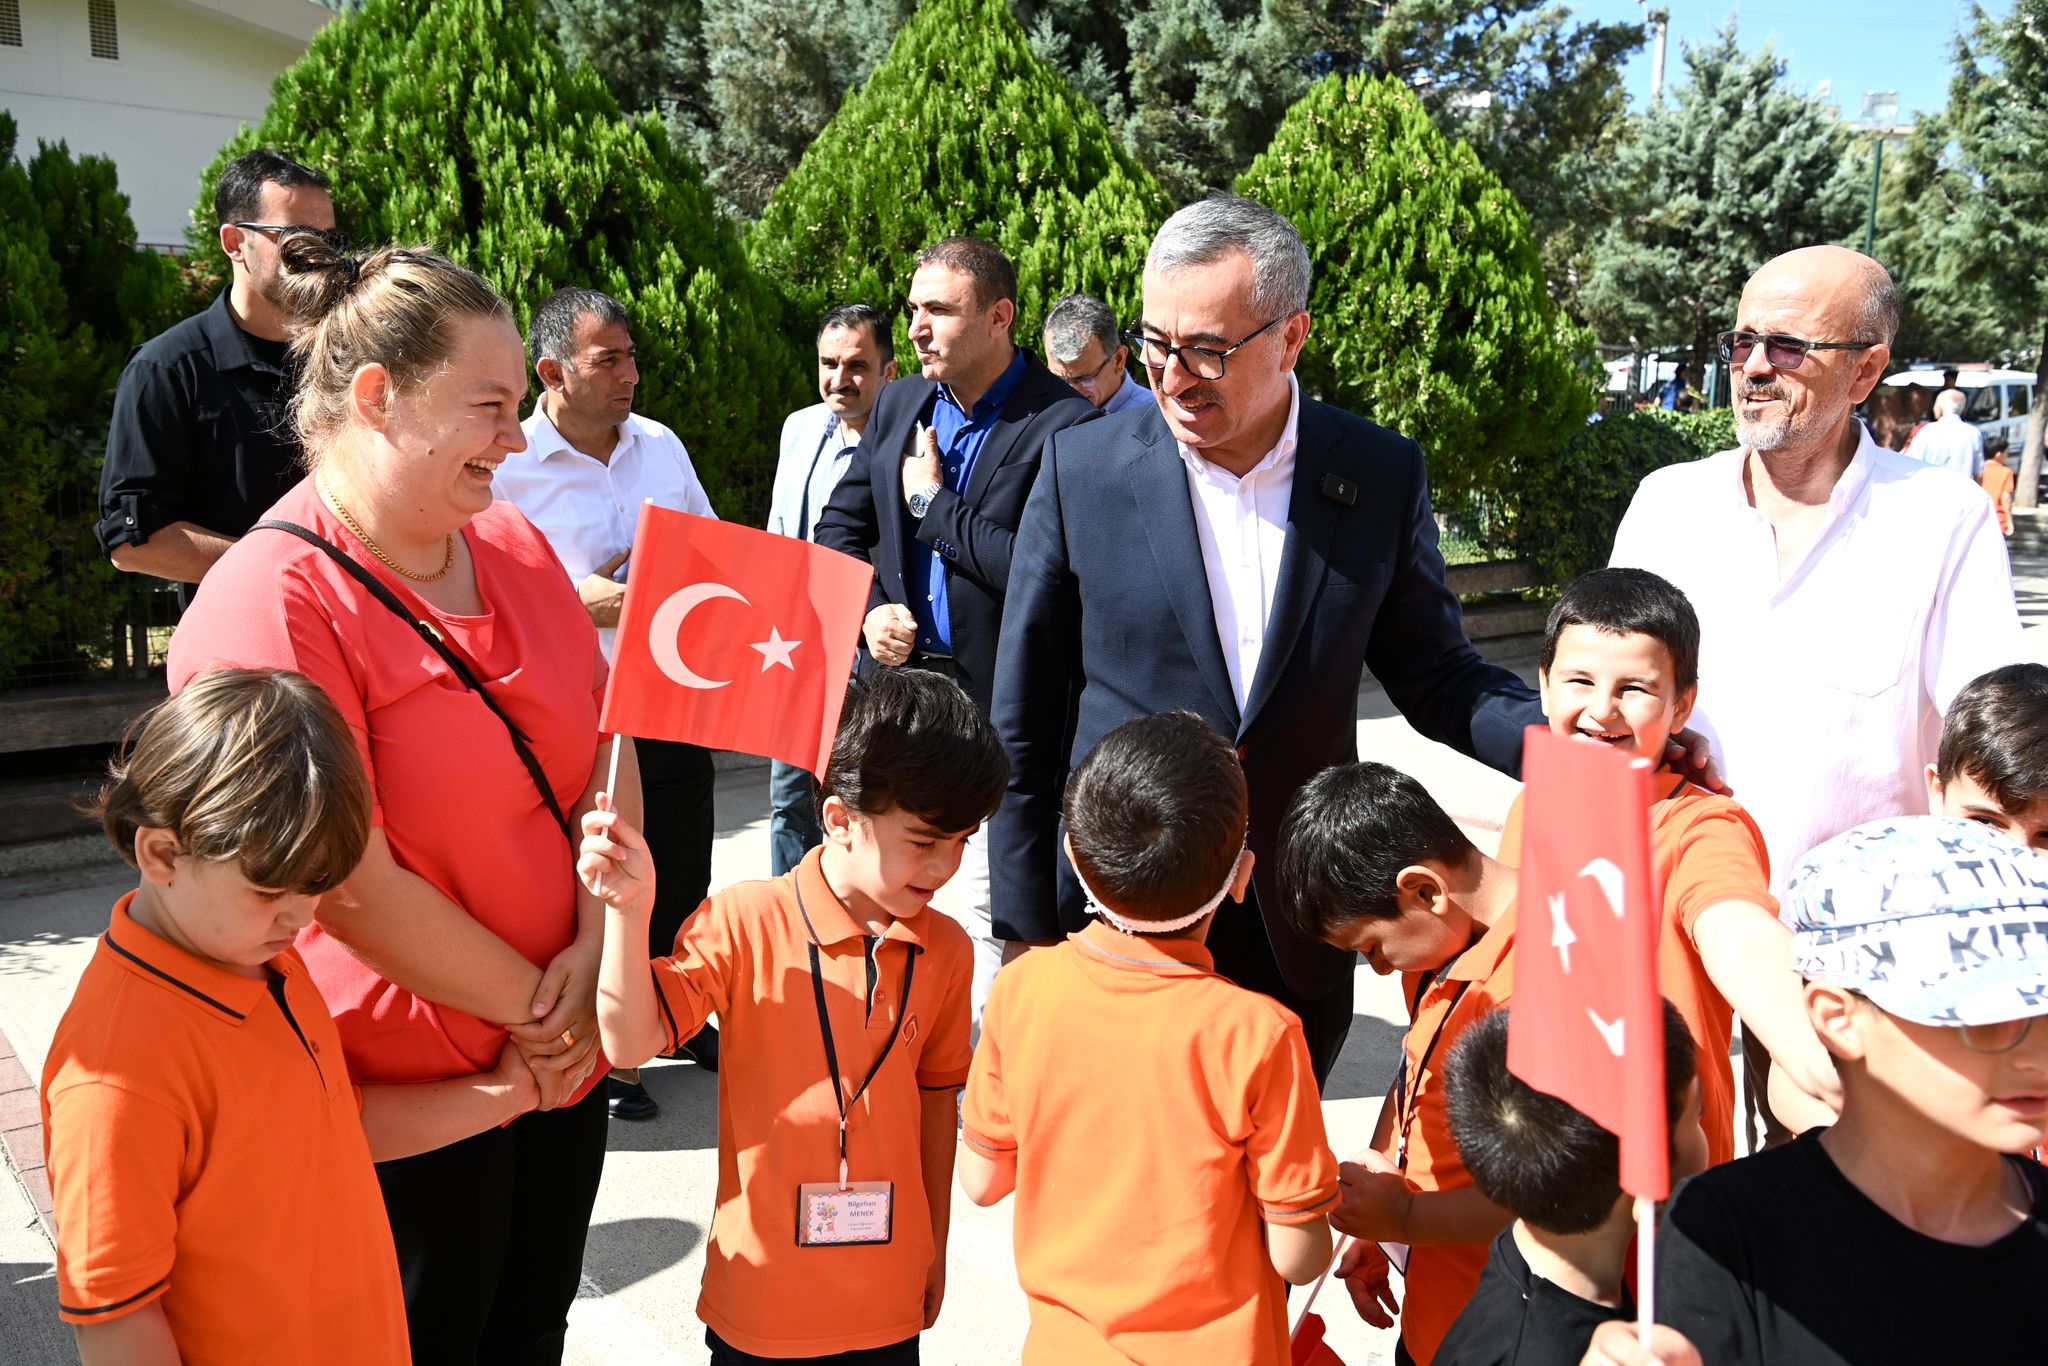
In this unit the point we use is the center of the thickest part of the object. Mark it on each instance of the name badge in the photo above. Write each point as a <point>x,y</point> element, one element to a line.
<point>829,1214</point>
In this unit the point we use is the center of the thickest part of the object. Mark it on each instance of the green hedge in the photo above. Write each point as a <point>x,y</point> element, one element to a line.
<point>1568,501</point>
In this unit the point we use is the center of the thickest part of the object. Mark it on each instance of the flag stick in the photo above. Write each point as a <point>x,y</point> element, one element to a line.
<point>1646,1263</point>
<point>1336,1253</point>
<point>611,783</point>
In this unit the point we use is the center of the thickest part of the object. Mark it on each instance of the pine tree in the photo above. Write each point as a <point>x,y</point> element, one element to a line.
<point>1735,170</point>
<point>1429,306</point>
<point>457,123</point>
<point>1922,195</point>
<point>962,130</point>
<point>1999,108</point>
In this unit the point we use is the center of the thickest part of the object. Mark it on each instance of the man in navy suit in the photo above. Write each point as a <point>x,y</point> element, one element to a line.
<point>1241,550</point>
<point>933,496</point>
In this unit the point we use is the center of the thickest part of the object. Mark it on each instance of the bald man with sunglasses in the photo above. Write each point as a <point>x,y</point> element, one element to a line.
<point>1845,591</point>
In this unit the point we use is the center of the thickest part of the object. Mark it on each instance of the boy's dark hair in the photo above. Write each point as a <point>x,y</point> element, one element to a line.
<point>855,317</point>
<point>238,197</point>
<point>1156,814</point>
<point>911,740</point>
<point>1625,602</point>
<point>1996,734</point>
<point>1995,445</point>
<point>254,765</point>
<point>1346,837</point>
<point>1531,1153</point>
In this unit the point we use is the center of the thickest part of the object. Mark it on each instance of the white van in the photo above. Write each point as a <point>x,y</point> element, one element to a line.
<point>1999,399</point>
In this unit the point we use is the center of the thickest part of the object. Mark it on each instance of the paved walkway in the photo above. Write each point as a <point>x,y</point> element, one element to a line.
<point>646,1247</point>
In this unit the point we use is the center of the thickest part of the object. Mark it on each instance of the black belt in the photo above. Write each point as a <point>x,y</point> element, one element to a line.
<point>938,664</point>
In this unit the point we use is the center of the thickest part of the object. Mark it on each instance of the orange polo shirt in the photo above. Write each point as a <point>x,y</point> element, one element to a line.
<point>1706,850</point>
<point>206,1149</point>
<point>1998,481</point>
<point>1158,1114</point>
<point>745,955</point>
<point>1442,1005</point>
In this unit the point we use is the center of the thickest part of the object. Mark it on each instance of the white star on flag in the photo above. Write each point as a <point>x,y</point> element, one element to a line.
<point>775,650</point>
<point>1561,936</point>
<point>1610,1034</point>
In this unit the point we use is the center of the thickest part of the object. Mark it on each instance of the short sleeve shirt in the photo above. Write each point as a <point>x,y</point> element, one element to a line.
<point>199,433</point>
<point>1159,1116</point>
<point>450,792</point>
<point>1443,1005</point>
<point>206,1151</point>
<point>1516,1318</point>
<point>1706,850</point>
<point>745,955</point>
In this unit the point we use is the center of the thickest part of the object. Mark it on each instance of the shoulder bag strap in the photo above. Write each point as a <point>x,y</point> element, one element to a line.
<point>455,662</point>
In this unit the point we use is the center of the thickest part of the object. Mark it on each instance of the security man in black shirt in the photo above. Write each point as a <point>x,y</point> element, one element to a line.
<point>201,442</point>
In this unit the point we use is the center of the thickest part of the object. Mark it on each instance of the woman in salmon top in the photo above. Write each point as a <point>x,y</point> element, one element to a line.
<point>465,919</point>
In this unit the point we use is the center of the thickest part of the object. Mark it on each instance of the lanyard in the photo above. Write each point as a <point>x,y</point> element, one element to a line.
<point>825,1029</point>
<point>1407,1096</point>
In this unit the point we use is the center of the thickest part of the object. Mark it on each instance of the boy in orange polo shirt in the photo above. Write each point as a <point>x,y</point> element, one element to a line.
<point>212,1186</point>
<point>1369,862</point>
<point>843,1008</point>
<point>1160,1125</point>
<point>1620,667</point>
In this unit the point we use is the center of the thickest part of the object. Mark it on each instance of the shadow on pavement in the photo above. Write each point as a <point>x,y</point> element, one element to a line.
<point>688,1118</point>
<point>1371,1056</point>
<point>628,1251</point>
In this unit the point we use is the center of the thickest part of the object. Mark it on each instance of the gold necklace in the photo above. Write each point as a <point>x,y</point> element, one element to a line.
<point>394,566</point>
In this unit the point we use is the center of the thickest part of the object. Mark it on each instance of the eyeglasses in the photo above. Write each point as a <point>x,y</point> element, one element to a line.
<point>1203,362</point>
<point>1093,377</point>
<point>1781,350</point>
<point>2001,1037</point>
<point>333,237</point>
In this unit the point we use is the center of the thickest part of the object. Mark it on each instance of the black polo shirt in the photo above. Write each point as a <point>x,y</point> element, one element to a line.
<point>199,433</point>
<point>1516,1318</point>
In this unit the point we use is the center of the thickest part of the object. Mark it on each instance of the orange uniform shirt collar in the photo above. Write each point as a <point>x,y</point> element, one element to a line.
<point>830,919</point>
<point>1166,956</point>
<point>140,951</point>
<point>1483,958</point>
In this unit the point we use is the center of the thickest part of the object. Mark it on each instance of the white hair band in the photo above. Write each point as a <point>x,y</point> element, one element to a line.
<point>1188,921</point>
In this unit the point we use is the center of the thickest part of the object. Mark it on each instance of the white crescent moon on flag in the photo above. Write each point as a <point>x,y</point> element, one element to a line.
<point>1612,884</point>
<point>664,632</point>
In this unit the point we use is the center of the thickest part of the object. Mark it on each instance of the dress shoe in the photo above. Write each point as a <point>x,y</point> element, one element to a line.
<point>629,1100</point>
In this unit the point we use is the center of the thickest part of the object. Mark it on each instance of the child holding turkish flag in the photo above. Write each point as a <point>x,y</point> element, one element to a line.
<point>1369,862</point>
<point>1620,668</point>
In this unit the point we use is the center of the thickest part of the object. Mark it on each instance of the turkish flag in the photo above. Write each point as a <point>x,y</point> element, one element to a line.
<point>1587,1023</point>
<point>1308,1347</point>
<point>734,638</point>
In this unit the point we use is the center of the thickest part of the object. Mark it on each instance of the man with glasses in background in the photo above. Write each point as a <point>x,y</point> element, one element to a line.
<point>200,443</point>
<point>1845,591</point>
<point>1082,347</point>
<point>1242,550</point>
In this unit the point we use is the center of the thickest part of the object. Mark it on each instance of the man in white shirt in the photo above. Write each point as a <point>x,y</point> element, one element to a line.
<point>1845,592</point>
<point>1948,442</point>
<point>589,463</point>
<point>856,357</point>
<point>1082,348</point>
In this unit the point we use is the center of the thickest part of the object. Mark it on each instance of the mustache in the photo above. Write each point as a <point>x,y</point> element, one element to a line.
<point>1199,395</point>
<point>1767,389</point>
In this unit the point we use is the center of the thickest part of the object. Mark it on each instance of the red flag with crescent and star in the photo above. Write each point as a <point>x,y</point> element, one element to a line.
<point>734,638</point>
<point>1587,1023</point>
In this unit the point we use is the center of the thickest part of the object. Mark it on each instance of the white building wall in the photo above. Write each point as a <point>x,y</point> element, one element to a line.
<point>189,75</point>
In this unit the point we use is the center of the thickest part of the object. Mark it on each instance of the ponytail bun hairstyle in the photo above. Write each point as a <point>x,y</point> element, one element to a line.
<point>391,307</point>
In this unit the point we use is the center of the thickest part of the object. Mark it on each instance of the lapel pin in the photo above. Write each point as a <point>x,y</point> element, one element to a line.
<point>1338,489</point>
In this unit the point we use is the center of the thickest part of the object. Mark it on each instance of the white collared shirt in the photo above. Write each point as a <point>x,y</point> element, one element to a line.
<point>1242,527</point>
<point>1823,691</point>
<point>817,450</point>
<point>1949,443</point>
<point>588,508</point>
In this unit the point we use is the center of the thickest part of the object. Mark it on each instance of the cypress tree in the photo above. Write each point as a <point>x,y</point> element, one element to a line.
<point>457,123</point>
<point>961,130</point>
<point>1430,312</point>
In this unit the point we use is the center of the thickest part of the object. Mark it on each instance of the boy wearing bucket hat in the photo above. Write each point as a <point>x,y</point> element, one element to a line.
<point>1914,1229</point>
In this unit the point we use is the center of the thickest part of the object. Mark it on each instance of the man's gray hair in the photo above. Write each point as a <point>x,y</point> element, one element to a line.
<point>1950,403</point>
<point>554,323</point>
<point>1209,229</point>
<point>1881,299</point>
<point>1073,322</point>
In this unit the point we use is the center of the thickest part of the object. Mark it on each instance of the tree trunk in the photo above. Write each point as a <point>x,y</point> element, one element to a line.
<point>2027,487</point>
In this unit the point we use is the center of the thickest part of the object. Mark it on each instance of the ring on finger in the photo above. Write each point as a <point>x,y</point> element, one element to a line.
<point>568,1039</point>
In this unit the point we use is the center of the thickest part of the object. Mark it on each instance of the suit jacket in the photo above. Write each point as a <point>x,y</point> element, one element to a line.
<point>1109,618</point>
<point>975,531</point>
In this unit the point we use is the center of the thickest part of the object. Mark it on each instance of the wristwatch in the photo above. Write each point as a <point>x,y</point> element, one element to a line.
<point>921,501</point>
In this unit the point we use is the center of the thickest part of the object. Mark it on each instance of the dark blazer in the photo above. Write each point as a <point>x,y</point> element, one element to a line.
<point>1109,613</point>
<point>975,532</point>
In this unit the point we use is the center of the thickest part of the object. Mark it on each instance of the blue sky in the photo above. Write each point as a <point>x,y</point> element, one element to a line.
<point>1860,45</point>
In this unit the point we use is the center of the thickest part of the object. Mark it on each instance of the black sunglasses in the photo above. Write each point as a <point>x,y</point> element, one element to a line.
<point>333,237</point>
<point>1781,350</point>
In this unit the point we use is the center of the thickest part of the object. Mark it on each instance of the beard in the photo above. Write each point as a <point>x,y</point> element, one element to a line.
<point>1783,428</point>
